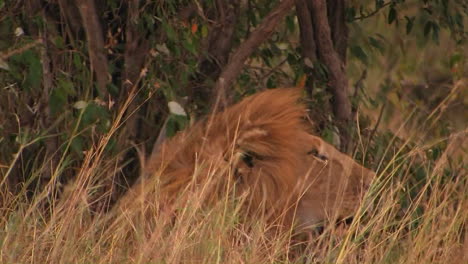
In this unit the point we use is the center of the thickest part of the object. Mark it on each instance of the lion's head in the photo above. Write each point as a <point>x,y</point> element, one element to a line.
<point>261,146</point>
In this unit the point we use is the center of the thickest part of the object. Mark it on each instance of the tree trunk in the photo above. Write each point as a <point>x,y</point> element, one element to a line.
<point>217,48</point>
<point>95,38</point>
<point>330,56</point>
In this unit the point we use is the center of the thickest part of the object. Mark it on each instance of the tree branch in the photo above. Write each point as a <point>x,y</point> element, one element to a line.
<point>71,18</point>
<point>373,12</point>
<point>339,30</point>
<point>308,47</point>
<point>8,54</point>
<point>95,39</point>
<point>135,54</point>
<point>51,143</point>
<point>136,46</point>
<point>257,37</point>
<point>306,30</point>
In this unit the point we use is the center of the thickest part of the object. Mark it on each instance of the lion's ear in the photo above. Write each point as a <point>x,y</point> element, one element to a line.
<point>315,142</point>
<point>267,123</point>
<point>311,143</point>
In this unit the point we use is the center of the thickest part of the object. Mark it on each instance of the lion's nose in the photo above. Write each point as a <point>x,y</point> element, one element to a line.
<point>368,178</point>
<point>366,185</point>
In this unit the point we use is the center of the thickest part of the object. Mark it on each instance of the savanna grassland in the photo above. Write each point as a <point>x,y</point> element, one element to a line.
<point>88,89</point>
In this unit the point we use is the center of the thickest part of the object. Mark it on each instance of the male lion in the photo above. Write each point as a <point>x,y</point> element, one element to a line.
<point>260,149</point>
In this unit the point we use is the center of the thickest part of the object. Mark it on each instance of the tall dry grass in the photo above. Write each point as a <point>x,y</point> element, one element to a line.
<point>415,212</point>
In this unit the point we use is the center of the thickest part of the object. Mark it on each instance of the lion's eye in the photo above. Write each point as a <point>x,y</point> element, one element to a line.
<point>317,154</point>
<point>248,159</point>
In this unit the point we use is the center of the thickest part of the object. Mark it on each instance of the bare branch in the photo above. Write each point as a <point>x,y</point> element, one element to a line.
<point>71,18</point>
<point>22,49</point>
<point>257,37</point>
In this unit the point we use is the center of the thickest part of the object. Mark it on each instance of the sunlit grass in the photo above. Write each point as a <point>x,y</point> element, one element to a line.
<point>415,212</point>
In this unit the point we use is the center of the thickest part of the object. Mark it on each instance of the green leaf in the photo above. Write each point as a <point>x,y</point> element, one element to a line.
<point>59,42</point>
<point>188,45</point>
<point>359,53</point>
<point>350,14</point>
<point>379,4</point>
<point>77,62</point>
<point>327,135</point>
<point>175,123</point>
<point>428,10</point>
<point>455,59</point>
<point>30,61</point>
<point>59,95</point>
<point>77,145</point>
<point>272,82</point>
<point>290,25</point>
<point>409,24</point>
<point>252,17</point>
<point>112,145</point>
<point>95,114</point>
<point>427,28</point>
<point>34,77</point>
<point>57,100</point>
<point>23,137</point>
<point>458,18</point>
<point>377,44</point>
<point>392,15</point>
<point>435,32</point>
<point>170,32</point>
<point>67,86</point>
<point>204,31</point>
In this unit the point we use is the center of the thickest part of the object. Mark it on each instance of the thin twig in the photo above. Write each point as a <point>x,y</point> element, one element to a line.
<point>359,83</point>
<point>13,52</point>
<point>373,12</point>
<point>377,124</point>
<point>273,70</point>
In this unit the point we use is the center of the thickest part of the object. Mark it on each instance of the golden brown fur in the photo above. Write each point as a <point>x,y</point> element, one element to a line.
<point>261,149</point>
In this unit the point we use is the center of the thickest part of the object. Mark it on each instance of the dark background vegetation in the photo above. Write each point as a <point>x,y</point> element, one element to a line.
<point>70,69</point>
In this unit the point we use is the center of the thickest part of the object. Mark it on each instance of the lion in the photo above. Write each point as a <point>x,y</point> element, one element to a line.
<point>260,149</point>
